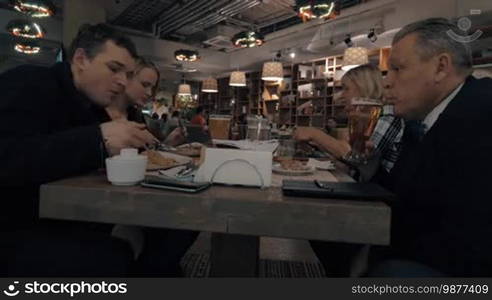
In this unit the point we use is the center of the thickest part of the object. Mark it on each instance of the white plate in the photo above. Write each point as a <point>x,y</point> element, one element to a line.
<point>277,168</point>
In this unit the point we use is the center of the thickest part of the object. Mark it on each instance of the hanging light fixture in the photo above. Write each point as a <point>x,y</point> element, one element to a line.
<point>25,29</point>
<point>248,39</point>
<point>317,9</point>
<point>353,57</point>
<point>237,78</point>
<point>186,55</point>
<point>34,8</point>
<point>184,89</point>
<point>210,85</point>
<point>272,71</point>
<point>27,47</point>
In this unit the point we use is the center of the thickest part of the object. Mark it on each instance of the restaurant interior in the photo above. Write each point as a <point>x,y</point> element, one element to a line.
<point>256,70</point>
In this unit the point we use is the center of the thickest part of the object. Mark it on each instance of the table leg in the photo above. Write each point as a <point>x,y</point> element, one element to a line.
<point>234,255</point>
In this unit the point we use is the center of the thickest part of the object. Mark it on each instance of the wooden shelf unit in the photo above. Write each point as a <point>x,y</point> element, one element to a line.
<point>318,73</point>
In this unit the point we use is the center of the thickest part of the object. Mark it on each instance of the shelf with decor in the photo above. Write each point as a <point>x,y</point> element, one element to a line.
<point>208,101</point>
<point>287,96</point>
<point>317,83</point>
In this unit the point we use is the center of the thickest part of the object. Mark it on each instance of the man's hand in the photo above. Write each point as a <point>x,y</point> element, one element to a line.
<point>122,134</point>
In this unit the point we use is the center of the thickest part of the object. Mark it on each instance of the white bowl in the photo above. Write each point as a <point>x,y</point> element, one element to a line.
<point>126,170</point>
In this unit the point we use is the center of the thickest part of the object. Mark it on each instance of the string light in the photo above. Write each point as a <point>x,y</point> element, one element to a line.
<point>27,48</point>
<point>21,28</point>
<point>248,39</point>
<point>318,10</point>
<point>34,8</point>
<point>186,55</point>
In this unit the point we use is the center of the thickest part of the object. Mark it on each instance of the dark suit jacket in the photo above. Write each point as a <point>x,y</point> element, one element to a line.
<point>443,217</point>
<point>48,131</point>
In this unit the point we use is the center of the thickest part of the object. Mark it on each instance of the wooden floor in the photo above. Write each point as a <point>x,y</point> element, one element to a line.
<point>270,248</point>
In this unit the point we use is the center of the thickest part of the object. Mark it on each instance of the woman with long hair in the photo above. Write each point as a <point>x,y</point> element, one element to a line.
<point>163,248</point>
<point>139,90</point>
<point>364,81</point>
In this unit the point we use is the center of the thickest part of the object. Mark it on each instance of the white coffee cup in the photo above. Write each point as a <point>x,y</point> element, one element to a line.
<point>126,169</point>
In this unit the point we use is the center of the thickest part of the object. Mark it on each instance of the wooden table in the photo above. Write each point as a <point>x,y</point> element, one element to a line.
<point>236,216</point>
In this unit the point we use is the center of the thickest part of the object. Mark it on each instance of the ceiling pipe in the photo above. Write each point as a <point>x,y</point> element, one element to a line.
<point>177,12</point>
<point>225,15</point>
<point>191,17</point>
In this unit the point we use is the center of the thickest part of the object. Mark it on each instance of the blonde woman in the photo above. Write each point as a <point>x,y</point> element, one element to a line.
<point>364,81</point>
<point>162,248</point>
<point>139,90</point>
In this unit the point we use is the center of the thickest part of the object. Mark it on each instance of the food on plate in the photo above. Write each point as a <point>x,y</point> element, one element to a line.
<point>156,158</point>
<point>193,149</point>
<point>294,165</point>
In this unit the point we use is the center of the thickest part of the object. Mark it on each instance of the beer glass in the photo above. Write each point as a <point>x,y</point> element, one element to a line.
<point>286,148</point>
<point>363,115</point>
<point>258,128</point>
<point>219,126</point>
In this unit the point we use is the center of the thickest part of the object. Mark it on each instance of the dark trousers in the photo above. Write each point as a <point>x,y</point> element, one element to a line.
<point>78,249</point>
<point>402,269</point>
<point>63,249</point>
<point>337,259</point>
<point>162,252</point>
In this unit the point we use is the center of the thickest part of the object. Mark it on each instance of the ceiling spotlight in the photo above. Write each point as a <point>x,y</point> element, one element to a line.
<point>186,55</point>
<point>34,8</point>
<point>25,29</point>
<point>372,35</point>
<point>348,41</point>
<point>292,55</point>
<point>278,56</point>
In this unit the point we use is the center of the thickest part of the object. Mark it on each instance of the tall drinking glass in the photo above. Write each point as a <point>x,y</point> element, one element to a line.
<point>363,115</point>
<point>219,126</point>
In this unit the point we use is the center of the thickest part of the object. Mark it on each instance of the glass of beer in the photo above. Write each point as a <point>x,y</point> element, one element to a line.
<point>363,115</point>
<point>219,126</point>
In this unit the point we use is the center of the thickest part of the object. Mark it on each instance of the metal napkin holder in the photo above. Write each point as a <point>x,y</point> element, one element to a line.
<point>240,165</point>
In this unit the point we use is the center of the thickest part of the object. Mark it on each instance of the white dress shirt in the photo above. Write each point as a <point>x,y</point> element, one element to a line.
<point>432,117</point>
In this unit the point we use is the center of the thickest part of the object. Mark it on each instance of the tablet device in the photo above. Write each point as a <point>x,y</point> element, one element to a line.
<point>158,182</point>
<point>336,190</point>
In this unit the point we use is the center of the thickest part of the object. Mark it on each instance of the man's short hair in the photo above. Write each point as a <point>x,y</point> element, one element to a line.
<point>433,38</point>
<point>92,38</point>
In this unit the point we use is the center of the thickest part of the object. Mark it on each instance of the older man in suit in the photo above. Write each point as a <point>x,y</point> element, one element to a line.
<point>442,221</point>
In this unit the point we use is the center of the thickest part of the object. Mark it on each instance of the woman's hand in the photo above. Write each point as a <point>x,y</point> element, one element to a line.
<point>306,134</point>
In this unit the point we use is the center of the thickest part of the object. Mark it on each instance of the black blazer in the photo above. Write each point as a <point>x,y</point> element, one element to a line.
<point>443,217</point>
<point>48,131</point>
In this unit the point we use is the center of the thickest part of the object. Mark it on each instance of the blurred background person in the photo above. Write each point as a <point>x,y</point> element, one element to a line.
<point>199,117</point>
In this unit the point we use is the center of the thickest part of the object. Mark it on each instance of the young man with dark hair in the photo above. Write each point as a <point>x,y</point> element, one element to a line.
<point>49,130</point>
